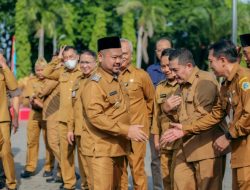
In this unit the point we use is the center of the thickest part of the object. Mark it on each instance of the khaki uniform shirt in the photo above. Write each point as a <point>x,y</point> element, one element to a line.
<point>234,101</point>
<point>66,80</point>
<point>79,123</point>
<point>107,121</point>
<point>7,82</point>
<point>141,96</point>
<point>50,92</point>
<point>77,116</point>
<point>31,90</point>
<point>199,94</point>
<point>161,120</point>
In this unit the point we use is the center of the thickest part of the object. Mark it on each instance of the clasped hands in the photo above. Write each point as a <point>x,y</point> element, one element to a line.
<point>175,132</point>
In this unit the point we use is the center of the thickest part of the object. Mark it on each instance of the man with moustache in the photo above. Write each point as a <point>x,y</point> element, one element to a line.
<point>196,157</point>
<point>233,102</point>
<point>105,104</point>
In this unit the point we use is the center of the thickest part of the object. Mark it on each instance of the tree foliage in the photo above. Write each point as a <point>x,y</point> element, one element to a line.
<point>22,40</point>
<point>191,23</point>
<point>129,32</point>
<point>99,29</point>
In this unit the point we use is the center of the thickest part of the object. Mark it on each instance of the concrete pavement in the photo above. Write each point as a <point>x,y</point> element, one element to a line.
<point>37,182</point>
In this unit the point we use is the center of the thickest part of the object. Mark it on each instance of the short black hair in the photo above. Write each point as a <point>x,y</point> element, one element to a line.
<point>183,55</point>
<point>70,47</point>
<point>89,52</point>
<point>225,48</point>
<point>167,52</point>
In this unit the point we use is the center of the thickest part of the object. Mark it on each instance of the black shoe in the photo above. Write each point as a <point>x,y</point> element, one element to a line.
<point>58,179</point>
<point>47,173</point>
<point>50,180</point>
<point>12,189</point>
<point>61,186</point>
<point>54,180</point>
<point>26,174</point>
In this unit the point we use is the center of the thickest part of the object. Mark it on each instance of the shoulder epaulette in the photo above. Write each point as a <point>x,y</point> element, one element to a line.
<point>161,82</point>
<point>96,77</point>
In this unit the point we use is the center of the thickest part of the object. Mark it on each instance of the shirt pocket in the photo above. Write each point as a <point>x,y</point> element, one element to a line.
<point>160,100</point>
<point>114,101</point>
<point>64,78</point>
<point>134,90</point>
<point>189,103</point>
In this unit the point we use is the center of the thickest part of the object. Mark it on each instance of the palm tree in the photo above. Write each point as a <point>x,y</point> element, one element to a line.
<point>48,16</point>
<point>150,15</point>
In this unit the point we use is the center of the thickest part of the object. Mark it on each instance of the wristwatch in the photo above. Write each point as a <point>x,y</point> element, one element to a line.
<point>228,135</point>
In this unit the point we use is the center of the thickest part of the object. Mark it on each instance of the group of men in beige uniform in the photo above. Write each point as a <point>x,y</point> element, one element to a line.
<point>107,111</point>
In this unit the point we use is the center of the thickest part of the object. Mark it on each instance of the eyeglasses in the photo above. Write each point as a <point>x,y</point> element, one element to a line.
<point>85,62</point>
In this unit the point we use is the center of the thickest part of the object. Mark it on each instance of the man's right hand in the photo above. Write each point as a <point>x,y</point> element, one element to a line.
<point>70,137</point>
<point>136,134</point>
<point>171,103</point>
<point>60,55</point>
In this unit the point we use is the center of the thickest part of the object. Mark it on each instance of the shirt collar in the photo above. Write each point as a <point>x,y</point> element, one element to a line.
<point>193,75</point>
<point>109,77</point>
<point>171,83</point>
<point>233,72</point>
<point>129,69</point>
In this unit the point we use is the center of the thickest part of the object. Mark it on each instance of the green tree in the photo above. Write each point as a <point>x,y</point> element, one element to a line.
<point>7,24</point>
<point>49,16</point>
<point>128,31</point>
<point>150,14</point>
<point>99,29</point>
<point>23,47</point>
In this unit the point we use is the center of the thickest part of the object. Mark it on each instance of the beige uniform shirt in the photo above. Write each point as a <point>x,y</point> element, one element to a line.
<point>234,101</point>
<point>161,120</point>
<point>31,90</point>
<point>66,80</point>
<point>141,95</point>
<point>107,121</point>
<point>7,82</point>
<point>50,92</point>
<point>79,121</point>
<point>199,94</point>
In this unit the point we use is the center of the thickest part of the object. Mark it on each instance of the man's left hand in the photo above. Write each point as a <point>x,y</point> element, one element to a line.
<point>171,135</point>
<point>15,125</point>
<point>221,143</point>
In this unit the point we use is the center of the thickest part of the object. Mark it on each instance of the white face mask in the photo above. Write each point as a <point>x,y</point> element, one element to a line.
<point>70,64</point>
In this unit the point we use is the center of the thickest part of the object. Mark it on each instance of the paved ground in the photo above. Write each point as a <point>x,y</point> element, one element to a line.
<point>37,182</point>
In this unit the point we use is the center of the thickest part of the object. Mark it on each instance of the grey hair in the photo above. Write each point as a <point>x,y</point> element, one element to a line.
<point>129,43</point>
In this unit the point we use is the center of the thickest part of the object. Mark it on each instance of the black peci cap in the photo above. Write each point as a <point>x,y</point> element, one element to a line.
<point>245,40</point>
<point>108,43</point>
